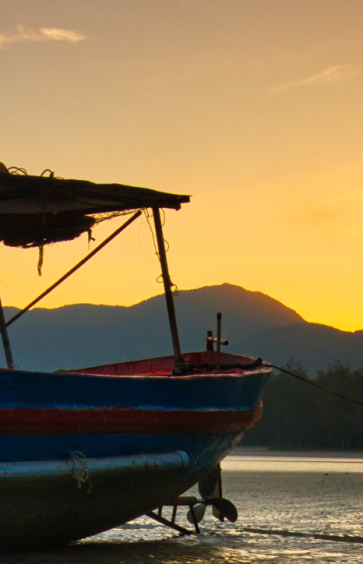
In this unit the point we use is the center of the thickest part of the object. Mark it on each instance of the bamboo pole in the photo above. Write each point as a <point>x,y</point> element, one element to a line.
<point>179,360</point>
<point>4,325</point>
<point>5,339</point>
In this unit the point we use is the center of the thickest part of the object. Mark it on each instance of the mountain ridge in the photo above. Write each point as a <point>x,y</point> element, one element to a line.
<point>76,335</point>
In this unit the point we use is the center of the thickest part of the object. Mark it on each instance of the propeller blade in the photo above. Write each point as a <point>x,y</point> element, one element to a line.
<point>209,484</point>
<point>217,514</point>
<point>199,511</point>
<point>225,507</point>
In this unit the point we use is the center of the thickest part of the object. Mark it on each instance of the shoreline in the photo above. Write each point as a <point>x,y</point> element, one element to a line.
<point>294,453</point>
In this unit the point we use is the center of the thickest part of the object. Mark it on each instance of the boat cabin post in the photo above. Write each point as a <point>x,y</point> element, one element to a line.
<point>180,363</point>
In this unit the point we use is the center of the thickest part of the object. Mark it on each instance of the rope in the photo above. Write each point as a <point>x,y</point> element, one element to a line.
<point>48,171</point>
<point>40,260</point>
<point>160,279</point>
<point>148,216</point>
<point>260,362</point>
<point>320,536</point>
<point>17,170</point>
<point>312,383</point>
<point>80,475</point>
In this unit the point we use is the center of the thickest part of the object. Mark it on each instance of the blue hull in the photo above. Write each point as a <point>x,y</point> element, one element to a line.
<point>92,417</point>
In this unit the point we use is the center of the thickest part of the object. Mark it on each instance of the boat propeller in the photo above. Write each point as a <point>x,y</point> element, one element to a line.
<point>210,489</point>
<point>224,507</point>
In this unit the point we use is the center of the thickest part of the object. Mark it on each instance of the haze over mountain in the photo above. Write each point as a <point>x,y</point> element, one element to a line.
<point>256,324</point>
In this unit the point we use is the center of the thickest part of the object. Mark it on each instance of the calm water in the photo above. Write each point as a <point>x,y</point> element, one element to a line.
<point>298,493</point>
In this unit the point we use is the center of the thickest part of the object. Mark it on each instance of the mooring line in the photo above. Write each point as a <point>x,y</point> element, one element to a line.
<point>319,536</point>
<point>312,383</point>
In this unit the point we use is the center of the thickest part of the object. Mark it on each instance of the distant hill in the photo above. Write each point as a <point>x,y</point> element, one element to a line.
<point>83,334</point>
<point>255,324</point>
<point>316,346</point>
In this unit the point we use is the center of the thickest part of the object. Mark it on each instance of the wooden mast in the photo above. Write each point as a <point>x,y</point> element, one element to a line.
<point>179,360</point>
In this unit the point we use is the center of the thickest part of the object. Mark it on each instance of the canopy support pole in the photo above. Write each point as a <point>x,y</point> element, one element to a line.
<point>179,360</point>
<point>4,325</point>
<point>5,338</point>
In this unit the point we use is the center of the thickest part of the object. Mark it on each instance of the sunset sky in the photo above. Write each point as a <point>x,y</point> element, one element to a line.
<point>254,107</point>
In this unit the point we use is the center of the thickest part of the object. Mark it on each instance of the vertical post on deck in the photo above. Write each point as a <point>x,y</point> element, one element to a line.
<point>5,338</point>
<point>219,324</point>
<point>179,360</point>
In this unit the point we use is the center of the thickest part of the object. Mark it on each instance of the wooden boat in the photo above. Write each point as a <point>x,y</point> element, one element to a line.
<point>86,450</point>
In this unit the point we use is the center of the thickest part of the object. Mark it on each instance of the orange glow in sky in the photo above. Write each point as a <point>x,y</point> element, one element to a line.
<point>253,108</point>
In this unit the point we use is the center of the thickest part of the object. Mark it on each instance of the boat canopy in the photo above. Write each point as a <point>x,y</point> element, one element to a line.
<point>36,210</point>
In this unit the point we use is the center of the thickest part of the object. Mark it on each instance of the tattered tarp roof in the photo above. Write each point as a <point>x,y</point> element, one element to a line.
<point>36,210</point>
<point>49,194</point>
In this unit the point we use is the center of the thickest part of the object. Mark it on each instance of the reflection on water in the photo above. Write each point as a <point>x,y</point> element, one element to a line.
<point>309,494</point>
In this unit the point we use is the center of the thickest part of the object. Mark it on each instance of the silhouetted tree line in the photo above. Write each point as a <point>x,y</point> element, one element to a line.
<point>297,415</point>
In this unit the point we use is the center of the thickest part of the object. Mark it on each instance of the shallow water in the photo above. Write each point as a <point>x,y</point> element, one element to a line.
<point>307,494</point>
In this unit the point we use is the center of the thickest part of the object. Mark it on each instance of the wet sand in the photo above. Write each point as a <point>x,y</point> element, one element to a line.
<point>304,493</point>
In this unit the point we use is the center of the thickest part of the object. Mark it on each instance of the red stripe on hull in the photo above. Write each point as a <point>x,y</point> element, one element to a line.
<point>29,421</point>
